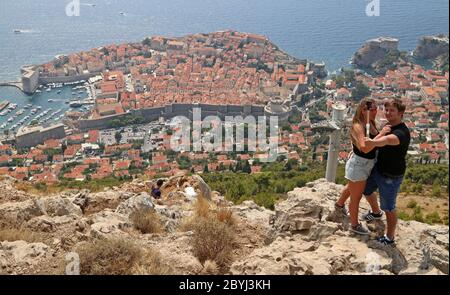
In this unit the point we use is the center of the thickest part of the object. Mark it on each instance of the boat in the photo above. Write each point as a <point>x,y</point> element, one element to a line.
<point>20,112</point>
<point>58,92</point>
<point>38,91</point>
<point>17,31</point>
<point>39,107</point>
<point>12,106</point>
<point>50,100</point>
<point>3,104</point>
<point>48,89</point>
<point>75,104</point>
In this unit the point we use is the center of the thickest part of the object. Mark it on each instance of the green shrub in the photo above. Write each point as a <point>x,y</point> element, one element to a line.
<point>433,218</point>
<point>411,204</point>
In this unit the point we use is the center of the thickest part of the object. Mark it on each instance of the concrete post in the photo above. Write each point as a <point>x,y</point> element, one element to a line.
<point>333,149</point>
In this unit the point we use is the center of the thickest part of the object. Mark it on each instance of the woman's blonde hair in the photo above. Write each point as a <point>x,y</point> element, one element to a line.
<point>360,117</point>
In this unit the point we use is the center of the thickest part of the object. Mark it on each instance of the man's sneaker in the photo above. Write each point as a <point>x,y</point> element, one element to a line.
<point>386,241</point>
<point>359,229</point>
<point>372,216</point>
<point>340,209</point>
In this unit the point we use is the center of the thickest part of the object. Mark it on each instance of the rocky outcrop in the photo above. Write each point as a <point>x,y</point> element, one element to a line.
<point>374,50</point>
<point>309,237</point>
<point>431,47</point>
<point>189,187</point>
<point>303,235</point>
<point>139,202</point>
<point>18,255</point>
<point>253,213</point>
<point>108,223</point>
<point>9,193</point>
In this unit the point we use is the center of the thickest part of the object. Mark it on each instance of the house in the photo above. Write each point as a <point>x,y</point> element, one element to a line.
<point>343,94</point>
<point>256,169</point>
<point>5,149</point>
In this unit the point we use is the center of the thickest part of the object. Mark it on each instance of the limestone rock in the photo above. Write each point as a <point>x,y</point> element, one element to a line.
<point>59,206</point>
<point>135,203</point>
<point>178,184</point>
<point>17,213</point>
<point>250,211</point>
<point>108,222</point>
<point>19,254</point>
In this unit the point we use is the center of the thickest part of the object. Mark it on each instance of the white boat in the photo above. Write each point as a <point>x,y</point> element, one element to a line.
<point>50,100</point>
<point>48,89</point>
<point>12,106</point>
<point>38,91</point>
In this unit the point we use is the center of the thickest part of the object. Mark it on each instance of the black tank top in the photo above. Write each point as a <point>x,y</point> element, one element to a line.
<point>370,155</point>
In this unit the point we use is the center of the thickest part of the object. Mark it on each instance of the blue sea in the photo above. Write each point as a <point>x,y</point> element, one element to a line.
<point>320,30</point>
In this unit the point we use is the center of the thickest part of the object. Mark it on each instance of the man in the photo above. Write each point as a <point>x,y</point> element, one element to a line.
<point>156,190</point>
<point>387,175</point>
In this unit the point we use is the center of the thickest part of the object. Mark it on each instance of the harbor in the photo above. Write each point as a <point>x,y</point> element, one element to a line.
<point>47,105</point>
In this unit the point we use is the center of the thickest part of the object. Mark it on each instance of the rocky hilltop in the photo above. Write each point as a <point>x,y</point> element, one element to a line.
<point>374,51</point>
<point>431,47</point>
<point>193,230</point>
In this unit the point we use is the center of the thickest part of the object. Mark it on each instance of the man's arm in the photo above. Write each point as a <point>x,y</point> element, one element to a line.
<point>390,139</point>
<point>386,129</point>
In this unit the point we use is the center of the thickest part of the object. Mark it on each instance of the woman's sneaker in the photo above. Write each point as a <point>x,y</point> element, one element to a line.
<point>359,229</point>
<point>386,241</point>
<point>341,209</point>
<point>372,216</point>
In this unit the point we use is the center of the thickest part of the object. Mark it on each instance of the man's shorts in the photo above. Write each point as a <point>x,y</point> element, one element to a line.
<point>388,188</point>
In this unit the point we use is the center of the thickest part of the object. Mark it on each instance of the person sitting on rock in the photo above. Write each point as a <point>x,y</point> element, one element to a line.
<point>156,190</point>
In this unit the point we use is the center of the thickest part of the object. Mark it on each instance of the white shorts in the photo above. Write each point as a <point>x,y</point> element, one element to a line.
<point>358,168</point>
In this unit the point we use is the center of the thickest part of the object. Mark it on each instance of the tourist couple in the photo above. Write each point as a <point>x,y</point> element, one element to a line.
<point>377,162</point>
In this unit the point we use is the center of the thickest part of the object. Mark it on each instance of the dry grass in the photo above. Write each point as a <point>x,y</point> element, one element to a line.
<point>210,268</point>
<point>147,221</point>
<point>202,207</point>
<point>19,234</point>
<point>212,240</point>
<point>214,235</point>
<point>108,257</point>
<point>226,216</point>
<point>151,264</point>
<point>31,189</point>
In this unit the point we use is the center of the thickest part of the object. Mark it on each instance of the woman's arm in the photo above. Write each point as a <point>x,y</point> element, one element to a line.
<point>358,134</point>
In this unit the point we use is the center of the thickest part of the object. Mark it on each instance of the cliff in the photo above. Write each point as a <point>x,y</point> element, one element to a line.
<point>374,50</point>
<point>431,47</point>
<point>193,230</point>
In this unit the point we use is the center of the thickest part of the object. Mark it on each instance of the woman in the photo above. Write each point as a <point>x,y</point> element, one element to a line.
<point>360,163</point>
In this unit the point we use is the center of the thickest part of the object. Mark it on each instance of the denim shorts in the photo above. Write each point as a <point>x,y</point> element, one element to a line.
<point>358,168</point>
<point>388,188</point>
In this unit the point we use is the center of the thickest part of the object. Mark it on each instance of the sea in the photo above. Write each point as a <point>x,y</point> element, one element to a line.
<point>319,30</point>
